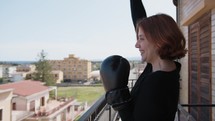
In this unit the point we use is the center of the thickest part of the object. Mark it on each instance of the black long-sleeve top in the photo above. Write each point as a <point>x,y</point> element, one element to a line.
<point>155,94</point>
<point>137,11</point>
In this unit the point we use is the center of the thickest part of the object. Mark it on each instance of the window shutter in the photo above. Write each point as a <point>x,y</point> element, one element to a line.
<point>200,67</point>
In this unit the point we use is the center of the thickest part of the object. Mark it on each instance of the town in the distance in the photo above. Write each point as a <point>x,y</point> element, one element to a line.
<point>49,90</point>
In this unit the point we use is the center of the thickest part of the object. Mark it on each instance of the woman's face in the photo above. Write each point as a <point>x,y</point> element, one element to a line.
<point>146,48</point>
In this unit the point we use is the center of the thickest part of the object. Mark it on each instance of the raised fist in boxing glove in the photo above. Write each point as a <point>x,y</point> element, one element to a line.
<point>114,74</point>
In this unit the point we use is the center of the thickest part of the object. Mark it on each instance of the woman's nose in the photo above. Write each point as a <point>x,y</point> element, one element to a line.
<point>137,45</point>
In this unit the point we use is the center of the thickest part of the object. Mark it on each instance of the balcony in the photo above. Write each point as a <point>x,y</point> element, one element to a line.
<point>101,111</point>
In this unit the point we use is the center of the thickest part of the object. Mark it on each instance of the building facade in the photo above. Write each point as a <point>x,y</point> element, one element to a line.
<point>5,104</point>
<point>25,68</point>
<point>197,21</point>
<point>58,76</point>
<point>29,101</point>
<point>73,68</point>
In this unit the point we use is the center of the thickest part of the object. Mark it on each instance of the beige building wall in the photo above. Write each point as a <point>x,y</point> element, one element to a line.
<point>24,103</point>
<point>184,73</point>
<point>20,103</point>
<point>184,61</point>
<point>5,104</point>
<point>58,75</point>
<point>73,68</point>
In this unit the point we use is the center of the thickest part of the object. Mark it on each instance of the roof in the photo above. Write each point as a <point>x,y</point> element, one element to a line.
<point>25,88</point>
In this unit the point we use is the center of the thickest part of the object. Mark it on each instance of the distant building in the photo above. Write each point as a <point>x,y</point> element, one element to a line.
<point>23,71</point>
<point>18,76</point>
<point>58,75</point>
<point>74,69</point>
<point>25,68</point>
<point>15,73</point>
<point>6,71</point>
<point>95,75</point>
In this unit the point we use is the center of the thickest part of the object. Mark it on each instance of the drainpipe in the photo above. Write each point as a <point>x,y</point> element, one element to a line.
<point>176,3</point>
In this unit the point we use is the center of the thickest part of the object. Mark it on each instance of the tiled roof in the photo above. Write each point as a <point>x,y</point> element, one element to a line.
<point>25,88</point>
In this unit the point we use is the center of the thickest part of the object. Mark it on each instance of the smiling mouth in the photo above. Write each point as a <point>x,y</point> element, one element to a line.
<point>141,52</point>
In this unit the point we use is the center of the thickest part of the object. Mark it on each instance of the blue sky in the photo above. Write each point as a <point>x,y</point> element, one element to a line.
<point>90,29</point>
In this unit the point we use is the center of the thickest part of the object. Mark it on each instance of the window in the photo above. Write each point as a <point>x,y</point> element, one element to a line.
<point>42,101</point>
<point>14,106</point>
<point>1,111</point>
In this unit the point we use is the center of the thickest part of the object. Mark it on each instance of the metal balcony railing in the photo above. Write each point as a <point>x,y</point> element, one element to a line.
<point>185,116</point>
<point>100,111</point>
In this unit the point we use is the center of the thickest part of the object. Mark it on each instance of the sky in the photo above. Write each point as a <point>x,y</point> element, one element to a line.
<point>89,29</point>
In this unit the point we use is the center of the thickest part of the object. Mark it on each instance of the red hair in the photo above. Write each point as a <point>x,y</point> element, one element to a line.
<point>163,31</point>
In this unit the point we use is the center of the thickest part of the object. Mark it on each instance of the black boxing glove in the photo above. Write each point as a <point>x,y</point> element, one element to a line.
<point>114,74</point>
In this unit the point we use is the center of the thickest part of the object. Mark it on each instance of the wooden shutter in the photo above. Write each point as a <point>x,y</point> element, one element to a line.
<point>194,62</point>
<point>200,67</point>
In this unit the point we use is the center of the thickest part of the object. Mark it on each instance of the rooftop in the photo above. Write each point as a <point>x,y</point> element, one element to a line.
<point>25,87</point>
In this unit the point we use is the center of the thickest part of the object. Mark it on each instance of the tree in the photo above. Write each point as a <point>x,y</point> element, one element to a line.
<point>1,80</point>
<point>43,70</point>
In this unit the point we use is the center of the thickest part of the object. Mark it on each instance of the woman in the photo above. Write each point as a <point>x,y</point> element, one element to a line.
<point>156,92</point>
<point>154,96</point>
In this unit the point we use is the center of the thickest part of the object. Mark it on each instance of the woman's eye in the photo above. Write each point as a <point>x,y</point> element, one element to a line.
<point>141,38</point>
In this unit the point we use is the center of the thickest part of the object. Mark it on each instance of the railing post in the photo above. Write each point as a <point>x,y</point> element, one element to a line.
<point>109,112</point>
<point>179,115</point>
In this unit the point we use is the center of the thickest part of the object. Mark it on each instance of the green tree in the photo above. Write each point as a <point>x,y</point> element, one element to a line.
<point>43,70</point>
<point>1,80</point>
